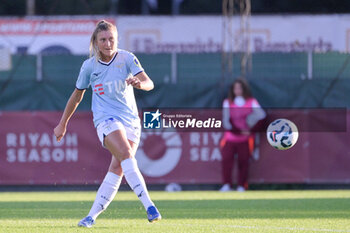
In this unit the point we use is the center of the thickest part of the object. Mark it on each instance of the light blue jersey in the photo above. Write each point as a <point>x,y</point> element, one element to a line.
<point>111,97</point>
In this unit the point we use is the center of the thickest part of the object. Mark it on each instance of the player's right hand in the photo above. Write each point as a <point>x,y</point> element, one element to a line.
<point>59,132</point>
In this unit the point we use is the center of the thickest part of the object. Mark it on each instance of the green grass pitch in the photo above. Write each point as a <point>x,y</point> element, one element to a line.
<point>252,211</point>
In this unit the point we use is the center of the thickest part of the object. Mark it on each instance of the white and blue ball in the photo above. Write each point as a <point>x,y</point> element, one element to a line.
<point>282,134</point>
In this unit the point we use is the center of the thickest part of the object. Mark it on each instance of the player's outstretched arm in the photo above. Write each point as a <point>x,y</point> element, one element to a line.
<point>141,81</point>
<point>71,106</point>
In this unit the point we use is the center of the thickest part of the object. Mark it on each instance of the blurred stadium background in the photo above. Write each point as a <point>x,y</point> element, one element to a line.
<point>295,55</point>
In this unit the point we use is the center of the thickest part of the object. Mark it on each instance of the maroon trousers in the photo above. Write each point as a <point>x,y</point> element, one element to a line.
<point>228,152</point>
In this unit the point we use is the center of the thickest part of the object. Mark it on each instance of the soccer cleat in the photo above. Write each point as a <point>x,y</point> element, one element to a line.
<point>86,222</point>
<point>240,189</point>
<point>225,188</point>
<point>153,214</point>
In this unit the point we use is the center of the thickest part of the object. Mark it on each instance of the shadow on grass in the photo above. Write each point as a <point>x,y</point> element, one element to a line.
<point>185,209</point>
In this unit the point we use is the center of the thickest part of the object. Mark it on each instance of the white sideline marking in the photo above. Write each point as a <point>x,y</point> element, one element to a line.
<point>260,228</point>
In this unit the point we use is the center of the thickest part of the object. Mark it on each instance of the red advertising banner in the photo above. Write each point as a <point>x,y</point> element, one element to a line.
<point>29,154</point>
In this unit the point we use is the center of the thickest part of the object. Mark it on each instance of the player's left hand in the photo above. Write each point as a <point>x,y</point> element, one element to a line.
<point>133,81</point>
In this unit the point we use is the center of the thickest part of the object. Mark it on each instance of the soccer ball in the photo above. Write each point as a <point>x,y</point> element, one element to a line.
<point>282,134</point>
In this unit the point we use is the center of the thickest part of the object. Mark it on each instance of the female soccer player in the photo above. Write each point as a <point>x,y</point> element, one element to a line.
<point>241,112</point>
<point>112,74</point>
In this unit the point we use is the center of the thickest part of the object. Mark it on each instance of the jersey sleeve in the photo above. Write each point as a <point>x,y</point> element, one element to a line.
<point>134,65</point>
<point>226,115</point>
<point>83,81</point>
<point>255,104</point>
<point>257,114</point>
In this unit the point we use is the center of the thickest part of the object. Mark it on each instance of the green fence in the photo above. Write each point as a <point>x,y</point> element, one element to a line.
<point>186,80</point>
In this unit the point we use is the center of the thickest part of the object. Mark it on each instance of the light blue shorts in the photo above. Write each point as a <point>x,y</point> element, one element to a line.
<point>106,127</point>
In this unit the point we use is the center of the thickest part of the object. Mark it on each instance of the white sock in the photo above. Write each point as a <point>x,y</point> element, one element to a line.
<point>136,182</point>
<point>105,194</point>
